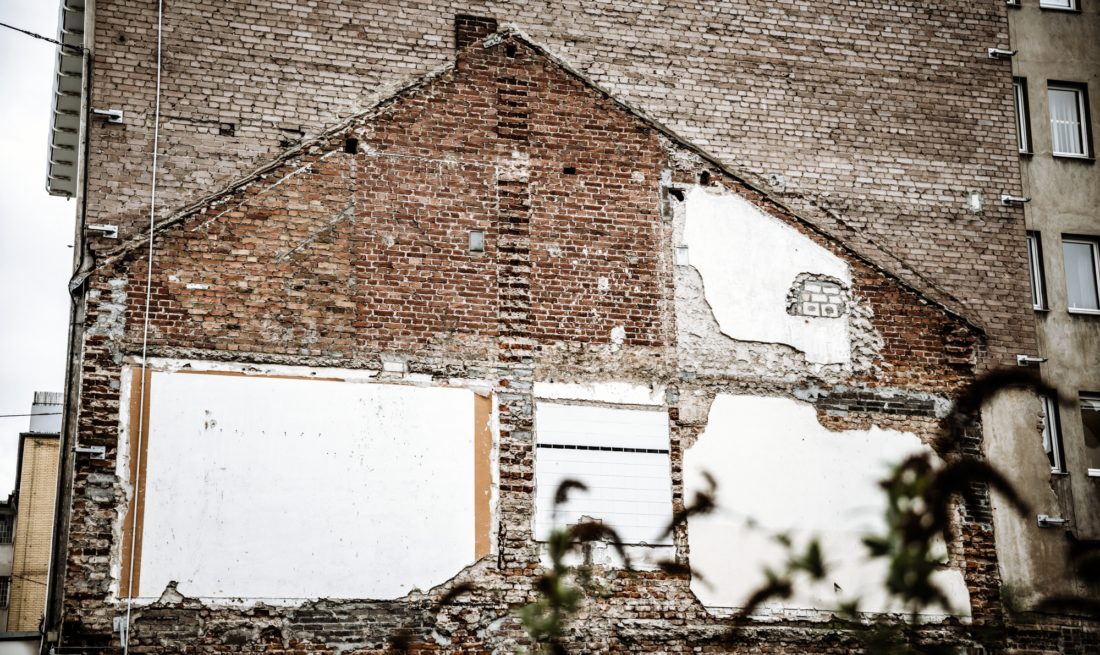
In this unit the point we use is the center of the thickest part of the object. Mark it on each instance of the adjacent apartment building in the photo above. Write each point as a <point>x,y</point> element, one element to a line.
<point>1055,59</point>
<point>360,283</point>
<point>26,528</point>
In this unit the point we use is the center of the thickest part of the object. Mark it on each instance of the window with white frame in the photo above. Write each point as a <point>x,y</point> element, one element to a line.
<point>620,454</point>
<point>1058,4</point>
<point>1035,262</point>
<point>1090,424</point>
<point>1052,436</point>
<point>1023,129</point>
<point>1081,259</point>
<point>1068,120</point>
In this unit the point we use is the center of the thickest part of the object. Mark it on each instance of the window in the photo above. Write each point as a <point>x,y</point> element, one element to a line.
<point>1058,4</point>
<point>1052,436</point>
<point>6,529</point>
<point>1035,260</point>
<point>1023,130</point>
<point>1068,120</point>
<point>1090,424</point>
<point>620,454</point>
<point>5,587</point>
<point>1081,257</point>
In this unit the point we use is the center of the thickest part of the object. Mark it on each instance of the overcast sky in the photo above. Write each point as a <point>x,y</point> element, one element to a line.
<point>36,229</point>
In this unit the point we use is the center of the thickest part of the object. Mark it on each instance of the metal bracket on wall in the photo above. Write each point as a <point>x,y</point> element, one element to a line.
<point>113,116</point>
<point>1047,521</point>
<point>121,624</point>
<point>96,452</point>
<point>106,231</point>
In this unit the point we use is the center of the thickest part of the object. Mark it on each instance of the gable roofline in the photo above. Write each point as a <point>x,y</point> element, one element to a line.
<point>926,289</point>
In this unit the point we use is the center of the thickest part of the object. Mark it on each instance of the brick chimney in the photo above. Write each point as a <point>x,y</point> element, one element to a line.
<point>469,29</point>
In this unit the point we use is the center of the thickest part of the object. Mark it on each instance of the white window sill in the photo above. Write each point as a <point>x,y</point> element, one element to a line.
<point>1086,312</point>
<point>1072,155</point>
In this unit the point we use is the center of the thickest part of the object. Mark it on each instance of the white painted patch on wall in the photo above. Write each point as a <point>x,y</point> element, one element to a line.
<point>269,488</point>
<point>777,465</point>
<point>622,455</point>
<point>620,393</point>
<point>748,261</point>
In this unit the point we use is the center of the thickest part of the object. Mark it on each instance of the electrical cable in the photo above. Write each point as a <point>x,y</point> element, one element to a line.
<point>42,414</point>
<point>44,38</point>
<point>125,638</point>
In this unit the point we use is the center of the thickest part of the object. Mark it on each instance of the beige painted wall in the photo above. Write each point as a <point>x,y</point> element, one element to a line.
<point>37,486</point>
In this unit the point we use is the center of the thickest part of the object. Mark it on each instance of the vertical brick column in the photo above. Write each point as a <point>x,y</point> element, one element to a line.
<point>514,343</point>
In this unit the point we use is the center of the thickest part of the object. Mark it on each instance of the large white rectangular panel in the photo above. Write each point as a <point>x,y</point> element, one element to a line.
<point>261,487</point>
<point>621,455</point>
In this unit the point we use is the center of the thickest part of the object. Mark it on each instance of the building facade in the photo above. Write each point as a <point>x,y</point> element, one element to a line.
<point>1054,84</point>
<point>33,499</point>
<point>614,242</point>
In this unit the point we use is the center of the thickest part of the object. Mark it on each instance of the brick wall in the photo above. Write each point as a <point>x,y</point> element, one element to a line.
<point>346,252</point>
<point>877,120</point>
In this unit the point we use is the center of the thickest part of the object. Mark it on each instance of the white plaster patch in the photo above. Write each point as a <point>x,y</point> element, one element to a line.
<point>621,393</point>
<point>261,487</point>
<point>775,464</point>
<point>748,261</point>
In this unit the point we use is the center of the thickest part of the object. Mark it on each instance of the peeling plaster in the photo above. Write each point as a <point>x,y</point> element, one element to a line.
<point>614,392</point>
<point>704,349</point>
<point>777,467</point>
<point>110,320</point>
<point>748,261</point>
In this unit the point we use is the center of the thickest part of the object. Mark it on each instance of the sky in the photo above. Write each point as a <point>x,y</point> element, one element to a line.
<point>36,229</point>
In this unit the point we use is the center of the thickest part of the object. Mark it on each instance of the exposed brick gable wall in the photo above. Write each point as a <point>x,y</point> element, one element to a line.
<point>874,119</point>
<point>338,258</point>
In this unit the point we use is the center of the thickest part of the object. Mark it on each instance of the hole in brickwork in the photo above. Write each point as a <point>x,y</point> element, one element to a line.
<point>678,194</point>
<point>227,129</point>
<point>510,50</point>
<point>569,170</point>
<point>477,241</point>
<point>817,296</point>
<point>704,177</point>
<point>351,145</point>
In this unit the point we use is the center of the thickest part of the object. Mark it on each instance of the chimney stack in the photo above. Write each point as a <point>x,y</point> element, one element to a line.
<point>469,29</point>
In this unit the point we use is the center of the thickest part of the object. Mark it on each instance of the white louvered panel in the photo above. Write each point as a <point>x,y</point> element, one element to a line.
<point>621,455</point>
<point>584,425</point>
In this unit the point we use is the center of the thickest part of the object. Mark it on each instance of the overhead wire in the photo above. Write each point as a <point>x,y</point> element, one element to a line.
<point>40,414</point>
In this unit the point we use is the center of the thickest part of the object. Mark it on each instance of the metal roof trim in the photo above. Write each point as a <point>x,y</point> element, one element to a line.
<point>63,138</point>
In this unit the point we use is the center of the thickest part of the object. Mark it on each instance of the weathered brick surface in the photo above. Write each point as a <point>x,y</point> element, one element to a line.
<point>877,120</point>
<point>339,258</point>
